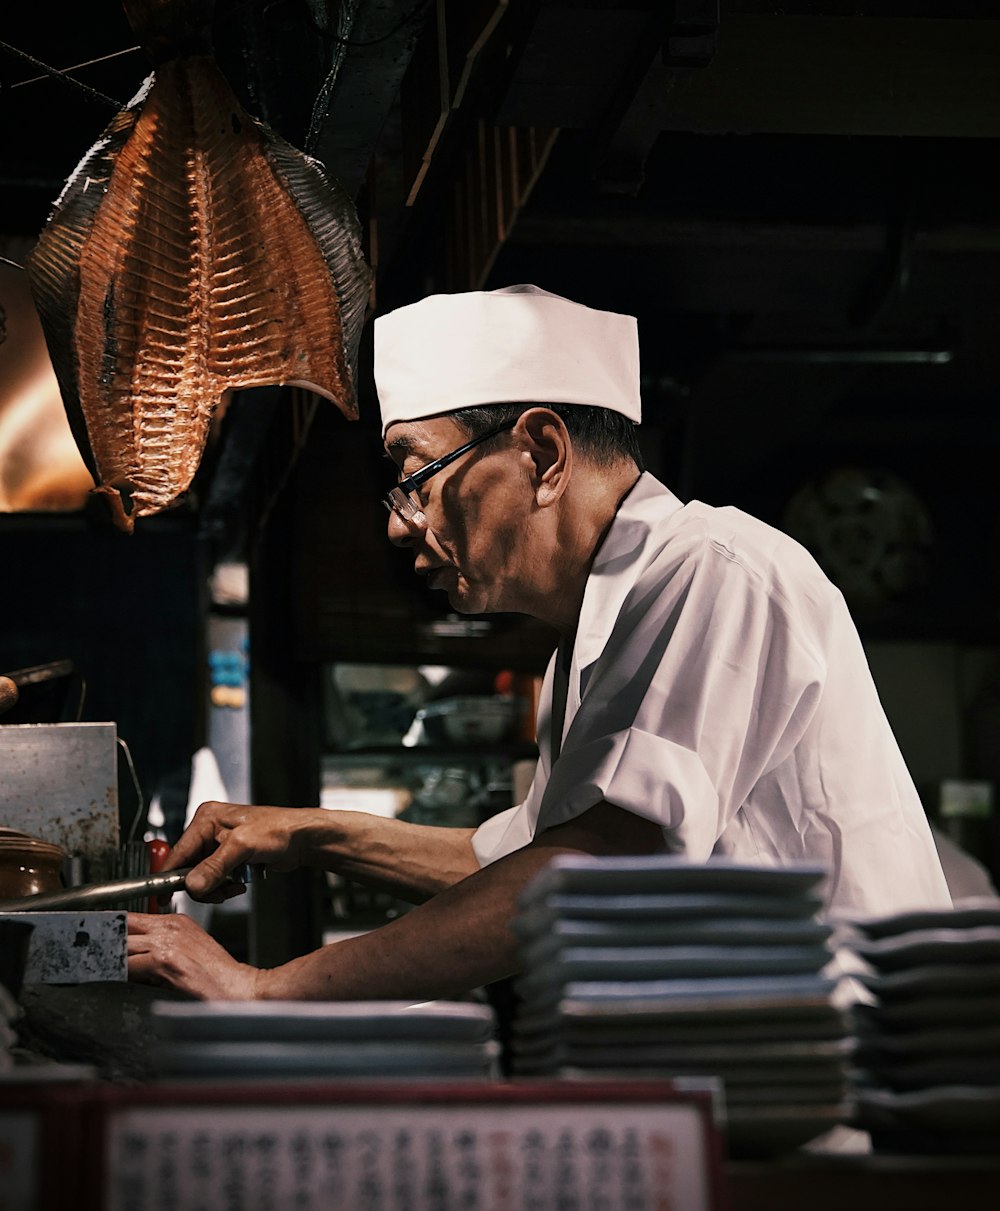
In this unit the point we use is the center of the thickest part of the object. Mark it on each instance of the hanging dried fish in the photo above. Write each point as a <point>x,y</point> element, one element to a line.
<point>192,252</point>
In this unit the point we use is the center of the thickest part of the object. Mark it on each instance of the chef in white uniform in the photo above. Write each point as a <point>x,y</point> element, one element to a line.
<point>715,682</point>
<point>710,694</point>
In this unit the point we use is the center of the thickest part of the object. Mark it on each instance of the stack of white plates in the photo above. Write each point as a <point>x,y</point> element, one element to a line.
<point>291,1040</point>
<point>928,1059</point>
<point>659,967</point>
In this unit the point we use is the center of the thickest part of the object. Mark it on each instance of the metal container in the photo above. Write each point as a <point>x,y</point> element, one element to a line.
<point>28,865</point>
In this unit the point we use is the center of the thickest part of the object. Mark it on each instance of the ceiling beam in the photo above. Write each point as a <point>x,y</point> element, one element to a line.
<point>868,75</point>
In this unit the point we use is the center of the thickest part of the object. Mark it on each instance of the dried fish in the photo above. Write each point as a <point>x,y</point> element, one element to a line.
<point>192,252</point>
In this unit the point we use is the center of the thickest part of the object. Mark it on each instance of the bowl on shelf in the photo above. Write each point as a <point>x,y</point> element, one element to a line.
<point>28,864</point>
<point>469,719</point>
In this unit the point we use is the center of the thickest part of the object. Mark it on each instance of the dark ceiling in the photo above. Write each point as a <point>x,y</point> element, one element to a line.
<point>796,200</point>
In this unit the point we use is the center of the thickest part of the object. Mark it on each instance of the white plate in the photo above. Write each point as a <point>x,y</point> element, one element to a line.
<point>942,979</point>
<point>704,1030</point>
<point>956,1109</point>
<point>724,1002</point>
<point>711,931</point>
<point>253,1059</point>
<point>742,1086</point>
<point>304,1021</point>
<point>824,1094</point>
<point>546,967</point>
<point>781,1058</point>
<point>670,874</point>
<point>980,944</point>
<point>972,913</point>
<point>705,995</point>
<point>748,1086</point>
<point>960,1012</point>
<point>766,1130</point>
<point>934,1071</point>
<point>660,908</point>
<point>947,1040</point>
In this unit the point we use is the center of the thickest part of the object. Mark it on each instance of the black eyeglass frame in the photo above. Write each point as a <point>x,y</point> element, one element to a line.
<point>397,500</point>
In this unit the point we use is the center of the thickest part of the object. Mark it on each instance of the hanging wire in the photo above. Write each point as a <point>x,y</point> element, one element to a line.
<point>404,20</point>
<point>57,74</point>
<point>81,697</point>
<point>407,17</point>
<point>322,102</point>
<point>116,54</point>
<point>140,802</point>
<point>343,42</point>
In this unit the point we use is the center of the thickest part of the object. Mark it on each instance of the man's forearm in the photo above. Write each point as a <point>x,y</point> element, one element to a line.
<point>413,861</point>
<point>461,939</point>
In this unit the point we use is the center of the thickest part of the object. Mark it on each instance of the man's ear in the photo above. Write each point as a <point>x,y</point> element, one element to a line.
<point>546,442</point>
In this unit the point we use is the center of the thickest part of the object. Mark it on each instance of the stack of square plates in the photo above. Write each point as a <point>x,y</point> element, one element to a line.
<point>928,1059</point>
<point>659,967</point>
<point>291,1040</point>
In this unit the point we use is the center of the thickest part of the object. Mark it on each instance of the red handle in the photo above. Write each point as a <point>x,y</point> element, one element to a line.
<point>158,851</point>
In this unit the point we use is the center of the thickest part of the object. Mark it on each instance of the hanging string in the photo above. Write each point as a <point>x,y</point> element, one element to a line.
<point>321,101</point>
<point>343,41</point>
<point>415,11</point>
<point>60,75</point>
<point>117,54</point>
<point>343,44</point>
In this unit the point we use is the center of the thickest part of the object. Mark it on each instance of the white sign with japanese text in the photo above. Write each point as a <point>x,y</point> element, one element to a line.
<point>479,1157</point>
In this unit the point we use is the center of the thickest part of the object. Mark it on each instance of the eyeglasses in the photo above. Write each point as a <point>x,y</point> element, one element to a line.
<point>403,500</point>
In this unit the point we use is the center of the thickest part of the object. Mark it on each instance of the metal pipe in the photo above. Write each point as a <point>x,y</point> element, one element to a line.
<point>93,895</point>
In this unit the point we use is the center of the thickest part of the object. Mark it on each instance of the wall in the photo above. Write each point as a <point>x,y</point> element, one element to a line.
<point>941,699</point>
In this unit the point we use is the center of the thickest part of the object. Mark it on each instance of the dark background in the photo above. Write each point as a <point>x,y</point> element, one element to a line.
<point>795,200</point>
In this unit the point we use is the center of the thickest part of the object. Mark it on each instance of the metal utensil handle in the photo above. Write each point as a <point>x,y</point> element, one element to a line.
<point>95,894</point>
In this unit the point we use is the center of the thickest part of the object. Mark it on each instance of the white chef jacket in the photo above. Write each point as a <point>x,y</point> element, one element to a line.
<point>717,685</point>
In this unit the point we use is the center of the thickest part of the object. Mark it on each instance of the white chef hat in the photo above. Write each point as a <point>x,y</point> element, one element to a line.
<point>515,345</point>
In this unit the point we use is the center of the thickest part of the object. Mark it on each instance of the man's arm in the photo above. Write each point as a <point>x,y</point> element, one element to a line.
<point>413,861</point>
<point>459,940</point>
<point>462,938</point>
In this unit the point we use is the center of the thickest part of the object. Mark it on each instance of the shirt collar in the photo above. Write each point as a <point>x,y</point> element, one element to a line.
<point>617,564</point>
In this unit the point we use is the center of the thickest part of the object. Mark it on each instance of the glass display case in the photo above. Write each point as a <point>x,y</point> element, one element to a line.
<point>426,744</point>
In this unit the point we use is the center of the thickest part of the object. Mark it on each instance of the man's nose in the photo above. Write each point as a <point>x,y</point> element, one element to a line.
<point>404,532</point>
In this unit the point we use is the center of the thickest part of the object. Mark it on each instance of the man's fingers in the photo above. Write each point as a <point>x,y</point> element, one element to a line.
<point>212,872</point>
<point>176,952</point>
<point>200,834</point>
<point>196,838</point>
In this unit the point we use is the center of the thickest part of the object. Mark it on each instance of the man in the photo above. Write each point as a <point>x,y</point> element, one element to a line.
<point>710,693</point>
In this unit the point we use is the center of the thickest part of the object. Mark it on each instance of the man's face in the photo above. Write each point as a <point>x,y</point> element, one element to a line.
<point>469,540</point>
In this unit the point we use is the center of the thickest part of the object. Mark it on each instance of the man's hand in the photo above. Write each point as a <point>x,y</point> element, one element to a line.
<point>175,951</point>
<point>411,861</point>
<point>225,836</point>
<point>460,939</point>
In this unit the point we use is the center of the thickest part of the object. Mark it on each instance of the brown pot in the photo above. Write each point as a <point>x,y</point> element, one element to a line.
<point>28,864</point>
